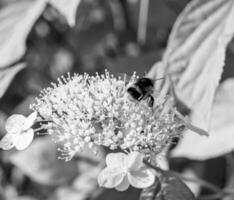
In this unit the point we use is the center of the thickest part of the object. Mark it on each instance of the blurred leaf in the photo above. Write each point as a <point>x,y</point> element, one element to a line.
<point>169,187</point>
<point>23,107</point>
<point>220,140</point>
<point>66,8</point>
<point>127,65</point>
<point>24,198</point>
<point>7,75</point>
<point>41,164</point>
<point>196,52</point>
<point>16,21</point>
<point>86,183</point>
<point>3,118</point>
<point>67,192</point>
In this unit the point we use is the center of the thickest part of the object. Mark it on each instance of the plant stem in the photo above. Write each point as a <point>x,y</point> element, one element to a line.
<point>142,22</point>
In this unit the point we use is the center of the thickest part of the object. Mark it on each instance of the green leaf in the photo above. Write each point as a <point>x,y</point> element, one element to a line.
<point>195,54</point>
<point>67,9</point>
<point>16,21</point>
<point>220,140</point>
<point>6,76</point>
<point>168,187</point>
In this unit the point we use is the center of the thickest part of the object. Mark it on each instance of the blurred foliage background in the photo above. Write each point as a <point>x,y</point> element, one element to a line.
<point>106,36</point>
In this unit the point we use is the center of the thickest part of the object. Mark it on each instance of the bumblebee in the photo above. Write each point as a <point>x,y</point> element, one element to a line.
<point>142,89</point>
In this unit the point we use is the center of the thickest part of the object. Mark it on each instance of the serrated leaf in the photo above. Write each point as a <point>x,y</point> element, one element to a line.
<point>169,187</point>
<point>220,140</point>
<point>16,21</point>
<point>196,52</point>
<point>7,75</point>
<point>66,8</point>
<point>41,164</point>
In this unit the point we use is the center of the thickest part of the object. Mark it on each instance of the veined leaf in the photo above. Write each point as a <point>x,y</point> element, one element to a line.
<point>7,75</point>
<point>221,136</point>
<point>195,54</point>
<point>67,8</point>
<point>16,21</point>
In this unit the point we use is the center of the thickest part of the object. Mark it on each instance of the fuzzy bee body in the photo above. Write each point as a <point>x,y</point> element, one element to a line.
<point>142,89</point>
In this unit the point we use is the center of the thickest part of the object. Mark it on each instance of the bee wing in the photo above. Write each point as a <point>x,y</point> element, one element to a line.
<point>24,140</point>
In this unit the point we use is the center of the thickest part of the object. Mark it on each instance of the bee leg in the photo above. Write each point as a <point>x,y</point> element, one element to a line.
<point>140,98</point>
<point>150,101</point>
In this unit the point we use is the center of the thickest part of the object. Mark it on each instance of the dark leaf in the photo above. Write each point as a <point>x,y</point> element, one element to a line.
<point>169,187</point>
<point>16,21</point>
<point>7,75</point>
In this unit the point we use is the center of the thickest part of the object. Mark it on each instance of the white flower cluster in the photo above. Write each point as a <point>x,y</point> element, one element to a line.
<point>97,110</point>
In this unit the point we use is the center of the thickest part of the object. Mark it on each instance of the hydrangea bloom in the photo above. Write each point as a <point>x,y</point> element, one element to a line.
<point>19,132</point>
<point>96,110</point>
<point>125,169</point>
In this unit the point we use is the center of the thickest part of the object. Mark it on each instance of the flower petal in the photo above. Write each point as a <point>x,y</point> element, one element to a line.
<point>123,185</point>
<point>14,123</point>
<point>110,177</point>
<point>142,178</point>
<point>116,160</point>
<point>29,121</point>
<point>8,141</point>
<point>135,161</point>
<point>24,140</point>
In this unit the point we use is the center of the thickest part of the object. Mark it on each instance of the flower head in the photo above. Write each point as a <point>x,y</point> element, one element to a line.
<point>19,132</point>
<point>125,169</point>
<point>96,110</point>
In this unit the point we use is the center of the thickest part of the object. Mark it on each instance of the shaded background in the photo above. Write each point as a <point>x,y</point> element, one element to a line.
<point>105,37</point>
